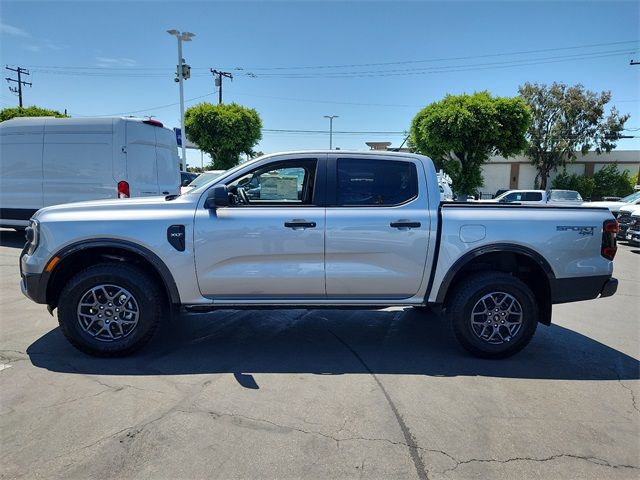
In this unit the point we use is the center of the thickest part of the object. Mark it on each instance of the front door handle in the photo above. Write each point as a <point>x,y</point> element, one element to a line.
<point>405,224</point>
<point>165,193</point>
<point>299,224</point>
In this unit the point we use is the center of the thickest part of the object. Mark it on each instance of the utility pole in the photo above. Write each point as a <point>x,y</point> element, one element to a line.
<point>218,81</point>
<point>20,71</point>
<point>331,117</point>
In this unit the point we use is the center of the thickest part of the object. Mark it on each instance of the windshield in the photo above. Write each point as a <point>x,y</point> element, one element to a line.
<point>500,197</point>
<point>565,195</point>
<point>631,198</point>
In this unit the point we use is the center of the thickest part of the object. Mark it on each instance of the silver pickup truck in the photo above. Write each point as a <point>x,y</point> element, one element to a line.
<point>325,229</point>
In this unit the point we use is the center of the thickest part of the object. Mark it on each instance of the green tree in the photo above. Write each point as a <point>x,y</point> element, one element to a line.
<point>223,131</point>
<point>565,121</point>
<point>33,111</point>
<point>580,183</point>
<point>609,181</point>
<point>460,133</point>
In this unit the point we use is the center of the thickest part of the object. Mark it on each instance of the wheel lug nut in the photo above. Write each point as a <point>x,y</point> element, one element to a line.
<point>99,316</point>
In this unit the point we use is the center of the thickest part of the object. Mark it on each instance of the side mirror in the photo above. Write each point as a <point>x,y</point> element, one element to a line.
<point>186,182</point>
<point>218,196</point>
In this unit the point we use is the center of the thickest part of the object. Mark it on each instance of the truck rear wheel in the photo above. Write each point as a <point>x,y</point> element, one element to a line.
<point>110,309</point>
<point>493,314</point>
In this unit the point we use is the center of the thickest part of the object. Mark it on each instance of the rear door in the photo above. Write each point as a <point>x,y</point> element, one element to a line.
<point>20,170</point>
<point>377,232</point>
<point>167,162</point>
<point>77,161</point>
<point>142,170</point>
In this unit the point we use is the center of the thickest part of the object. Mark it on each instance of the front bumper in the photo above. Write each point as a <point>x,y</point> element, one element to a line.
<point>33,285</point>
<point>633,236</point>
<point>34,288</point>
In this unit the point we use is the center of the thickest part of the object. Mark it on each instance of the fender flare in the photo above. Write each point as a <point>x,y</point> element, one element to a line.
<point>155,261</point>
<point>492,248</point>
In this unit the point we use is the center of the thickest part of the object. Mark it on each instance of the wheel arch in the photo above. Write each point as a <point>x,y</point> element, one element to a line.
<point>75,257</point>
<point>520,261</point>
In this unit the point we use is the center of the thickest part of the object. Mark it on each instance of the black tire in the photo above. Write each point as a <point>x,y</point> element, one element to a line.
<point>93,285</point>
<point>474,295</point>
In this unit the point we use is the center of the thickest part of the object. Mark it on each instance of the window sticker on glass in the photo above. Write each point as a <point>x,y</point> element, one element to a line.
<point>278,187</point>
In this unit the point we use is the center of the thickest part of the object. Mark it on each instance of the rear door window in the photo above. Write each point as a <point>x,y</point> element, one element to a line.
<point>373,182</point>
<point>532,196</point>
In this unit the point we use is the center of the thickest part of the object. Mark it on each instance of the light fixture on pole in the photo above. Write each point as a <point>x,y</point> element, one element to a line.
<point>182,73</point>
<point>331,117</point>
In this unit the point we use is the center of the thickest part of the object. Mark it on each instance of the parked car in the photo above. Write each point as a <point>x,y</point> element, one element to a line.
<point>368,231</point>
<point>186,178</point>
<point>444,185</point>
<point>624,219</point>
<point>50,161</point>
<point>633,231</point>
<point>566,197</point>
<point>200,180</point>
<point>633,199</point>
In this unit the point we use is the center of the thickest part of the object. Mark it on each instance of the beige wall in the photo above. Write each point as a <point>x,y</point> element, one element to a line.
<point>498,170</point>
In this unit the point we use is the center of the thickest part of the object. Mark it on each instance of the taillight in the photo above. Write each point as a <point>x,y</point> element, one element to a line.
<point>609,246</point>
<point>123,189</point>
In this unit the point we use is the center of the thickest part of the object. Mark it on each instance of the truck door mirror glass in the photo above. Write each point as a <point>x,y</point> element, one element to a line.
<point>217,197</point>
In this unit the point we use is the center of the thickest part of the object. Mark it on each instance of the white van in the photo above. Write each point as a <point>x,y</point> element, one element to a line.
<point>48,161</point>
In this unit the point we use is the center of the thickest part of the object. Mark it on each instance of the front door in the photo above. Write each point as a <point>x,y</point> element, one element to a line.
<point>269,243</point>
<point>377,228</point>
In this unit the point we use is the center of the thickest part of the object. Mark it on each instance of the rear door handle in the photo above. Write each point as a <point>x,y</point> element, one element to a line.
<point>165,193</point>
<point>299,224</point>
<point>405,224</point>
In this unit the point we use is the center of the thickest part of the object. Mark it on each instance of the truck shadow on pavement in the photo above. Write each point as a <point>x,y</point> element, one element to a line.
<point>335,342</point>
<point>12,239</point>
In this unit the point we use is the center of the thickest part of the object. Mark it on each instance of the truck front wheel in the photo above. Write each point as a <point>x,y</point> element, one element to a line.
<point>493,314</point>
<point>110,309</point>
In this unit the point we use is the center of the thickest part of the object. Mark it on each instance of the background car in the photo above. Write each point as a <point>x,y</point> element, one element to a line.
<point>201,180</point>
<point>625,216</point>
<point>633,230</point>
<point>568,197</point>
<point>633,199</point>
<point>186,178</point>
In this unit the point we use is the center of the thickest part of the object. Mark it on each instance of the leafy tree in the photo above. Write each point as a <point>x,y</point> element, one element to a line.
<point>33,111</point>
<point>609,181</point>
<point>580,183</point>
<point>460,133</point>
<point>565,121</point>
<point>223,131</point>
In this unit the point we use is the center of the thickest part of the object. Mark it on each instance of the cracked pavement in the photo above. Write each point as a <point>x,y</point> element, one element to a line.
<point>322,394</point>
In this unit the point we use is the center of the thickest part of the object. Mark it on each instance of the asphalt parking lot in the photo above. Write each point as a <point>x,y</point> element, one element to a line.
<point>322,394</point>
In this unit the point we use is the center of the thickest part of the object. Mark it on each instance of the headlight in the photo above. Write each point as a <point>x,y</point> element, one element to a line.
<point>32,234</point>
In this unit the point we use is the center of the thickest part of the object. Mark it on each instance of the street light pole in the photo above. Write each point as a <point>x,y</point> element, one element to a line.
<point>185,36</point>
<point>331,117</point>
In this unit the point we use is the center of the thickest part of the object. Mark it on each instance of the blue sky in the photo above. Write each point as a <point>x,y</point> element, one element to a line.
<point>375,64</point>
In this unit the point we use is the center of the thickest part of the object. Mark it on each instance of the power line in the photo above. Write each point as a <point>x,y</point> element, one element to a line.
<point>18,90</point>
<point>470,57</point>
<point>140,71</point>
<point>449,68</point>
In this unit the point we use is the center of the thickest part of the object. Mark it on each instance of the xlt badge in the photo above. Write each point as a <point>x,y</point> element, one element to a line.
<point>175,236</point>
